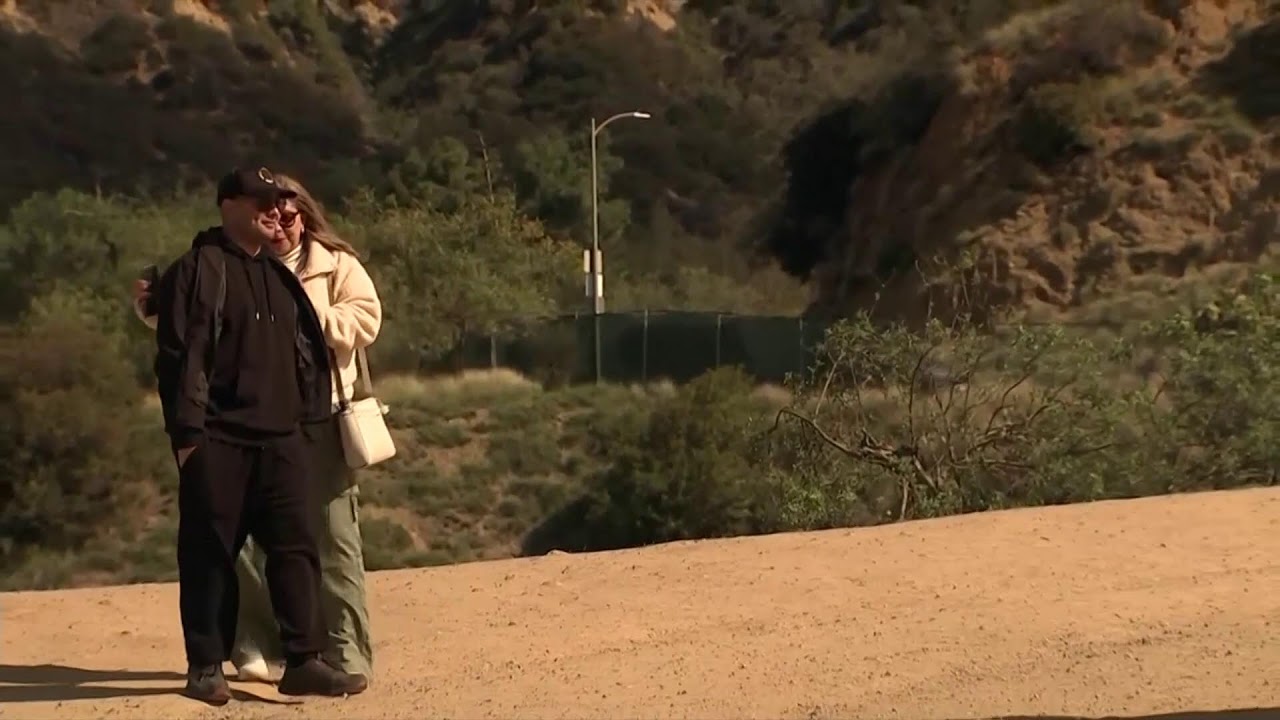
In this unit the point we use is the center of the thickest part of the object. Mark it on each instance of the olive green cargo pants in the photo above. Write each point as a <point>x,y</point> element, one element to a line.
<point>342,591</point>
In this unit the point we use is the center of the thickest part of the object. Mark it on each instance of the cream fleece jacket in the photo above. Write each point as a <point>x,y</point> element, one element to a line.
<point>344,298</point>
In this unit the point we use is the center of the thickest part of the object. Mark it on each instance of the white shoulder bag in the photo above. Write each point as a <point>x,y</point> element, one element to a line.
<point>365,438</point>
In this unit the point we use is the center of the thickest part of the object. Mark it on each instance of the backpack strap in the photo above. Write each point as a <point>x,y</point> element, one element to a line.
<point>220,301</point>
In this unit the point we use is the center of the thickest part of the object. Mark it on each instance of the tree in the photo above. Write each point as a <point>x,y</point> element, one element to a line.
<point>442,274</point>
<point>552,178</point>
<point>94,243</point>
<point>444,175</point>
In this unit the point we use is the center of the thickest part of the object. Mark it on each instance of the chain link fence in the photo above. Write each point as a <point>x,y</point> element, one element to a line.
<point>645,346</point>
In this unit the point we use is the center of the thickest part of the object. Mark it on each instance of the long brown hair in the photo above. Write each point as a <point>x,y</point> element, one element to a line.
<point>317,227</point>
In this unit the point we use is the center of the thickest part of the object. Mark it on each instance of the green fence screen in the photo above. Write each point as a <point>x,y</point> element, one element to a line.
<point>647,346</point>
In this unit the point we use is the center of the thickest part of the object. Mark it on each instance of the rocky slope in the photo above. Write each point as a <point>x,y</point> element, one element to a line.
<point>1075,153</point>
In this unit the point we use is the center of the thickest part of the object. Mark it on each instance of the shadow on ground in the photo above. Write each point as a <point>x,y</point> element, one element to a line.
<point>63,683</point>
<point>1254,714</point>
<point>56,683</point>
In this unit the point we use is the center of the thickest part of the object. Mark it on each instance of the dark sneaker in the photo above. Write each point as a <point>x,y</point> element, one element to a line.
<point>208,685</point>
<point>316,677</point>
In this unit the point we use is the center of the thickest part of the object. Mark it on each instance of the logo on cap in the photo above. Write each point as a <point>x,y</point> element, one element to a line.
<point>265,176</point>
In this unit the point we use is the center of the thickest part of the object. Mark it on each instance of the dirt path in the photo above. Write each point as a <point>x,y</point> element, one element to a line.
<point>1127,608</point>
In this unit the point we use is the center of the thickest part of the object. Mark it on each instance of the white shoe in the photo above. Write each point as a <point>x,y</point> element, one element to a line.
<point>254,669</point>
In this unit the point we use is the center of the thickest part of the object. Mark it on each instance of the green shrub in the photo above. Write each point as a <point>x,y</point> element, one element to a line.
<point>445,274</point>
<point>72,442</point>
<point>528,452</point>
<point>686,472</point>
<point>1222,425</point>
<point>441,434</point>
<point>386,542</point>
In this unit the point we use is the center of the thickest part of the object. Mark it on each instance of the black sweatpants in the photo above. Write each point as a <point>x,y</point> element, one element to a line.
<point>226,493</point>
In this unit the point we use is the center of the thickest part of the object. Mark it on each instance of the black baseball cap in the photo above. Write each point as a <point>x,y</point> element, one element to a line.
<point>258,183</point>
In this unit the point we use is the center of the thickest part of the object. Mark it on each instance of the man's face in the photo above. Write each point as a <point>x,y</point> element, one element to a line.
<point>255,219</point>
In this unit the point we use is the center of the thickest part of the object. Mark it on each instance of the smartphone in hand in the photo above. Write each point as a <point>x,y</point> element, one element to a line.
<point>151,276</point>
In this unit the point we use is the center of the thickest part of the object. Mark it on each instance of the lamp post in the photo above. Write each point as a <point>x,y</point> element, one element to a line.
<point>595,264</point>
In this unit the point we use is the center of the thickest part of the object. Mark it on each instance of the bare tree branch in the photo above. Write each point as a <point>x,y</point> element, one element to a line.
<point>911,391</point>
<point>831,374</point>
<point>868,449</point>
<point>1028,371</point>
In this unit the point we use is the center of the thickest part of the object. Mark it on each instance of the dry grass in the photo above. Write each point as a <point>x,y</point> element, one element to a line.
<point>466,383</point>
<point>484,457</point>
<point>774,396</point>
<point>1145,298</point>
<point>1027,31</point>
<point>1083,25</point>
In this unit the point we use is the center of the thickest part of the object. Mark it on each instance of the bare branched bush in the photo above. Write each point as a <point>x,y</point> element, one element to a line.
<point>895,424</point>
<point>956,420</point>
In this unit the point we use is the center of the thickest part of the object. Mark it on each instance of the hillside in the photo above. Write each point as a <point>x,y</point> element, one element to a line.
<point>1058,159</point>
<point>1083,151</point>
<point>1032,154</point>
<point>1131,608</point>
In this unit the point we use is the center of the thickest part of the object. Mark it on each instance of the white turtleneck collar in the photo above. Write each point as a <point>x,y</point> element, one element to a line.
<point>294,258</point>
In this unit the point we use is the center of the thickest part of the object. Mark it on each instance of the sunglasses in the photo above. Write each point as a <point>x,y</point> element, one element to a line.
<point>288,218</point>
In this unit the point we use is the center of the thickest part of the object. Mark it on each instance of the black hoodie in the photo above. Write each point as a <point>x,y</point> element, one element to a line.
<point>263,373</point>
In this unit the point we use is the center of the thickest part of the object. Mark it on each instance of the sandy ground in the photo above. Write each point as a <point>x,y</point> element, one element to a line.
<point>1122,608</point>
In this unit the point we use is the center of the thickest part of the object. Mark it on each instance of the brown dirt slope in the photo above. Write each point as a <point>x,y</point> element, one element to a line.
<point>1127,608</point>
<point>1078,151</point>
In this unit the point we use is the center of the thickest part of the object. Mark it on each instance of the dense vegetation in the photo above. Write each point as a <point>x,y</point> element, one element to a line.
<point>453,153</point>
<point>890,423</point>
<point>780,131</point>
<point>765,114</point>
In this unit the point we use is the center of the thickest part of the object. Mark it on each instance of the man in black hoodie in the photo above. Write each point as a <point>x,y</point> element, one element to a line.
<point>241,363</point>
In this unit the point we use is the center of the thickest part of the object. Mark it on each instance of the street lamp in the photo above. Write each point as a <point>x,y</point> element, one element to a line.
<point>595,264</point>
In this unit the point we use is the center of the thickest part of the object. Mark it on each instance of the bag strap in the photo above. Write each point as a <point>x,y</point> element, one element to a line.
<point>362,368</point>
<point>343,401</point>
<point>362,374</point>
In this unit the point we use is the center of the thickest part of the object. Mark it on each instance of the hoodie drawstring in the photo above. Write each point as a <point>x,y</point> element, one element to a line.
<point>262,267</point>
<point>258,299</point>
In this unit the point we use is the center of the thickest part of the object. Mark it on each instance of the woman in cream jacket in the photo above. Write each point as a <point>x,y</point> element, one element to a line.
<point>351,314</point>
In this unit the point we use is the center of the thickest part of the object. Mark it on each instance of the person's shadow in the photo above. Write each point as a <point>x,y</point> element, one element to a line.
<point>45,683</point>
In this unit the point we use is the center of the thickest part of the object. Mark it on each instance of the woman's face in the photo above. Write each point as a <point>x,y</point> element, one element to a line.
<point>290,228</point>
